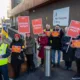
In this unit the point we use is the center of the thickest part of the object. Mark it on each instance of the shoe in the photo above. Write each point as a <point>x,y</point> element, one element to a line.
<point>33,70</point>
<point>77,76</point>
<point>11,79</point>
<point>65,68</point>
<point>41,65</point>
<point>58,65</point>
<point>53,65</point>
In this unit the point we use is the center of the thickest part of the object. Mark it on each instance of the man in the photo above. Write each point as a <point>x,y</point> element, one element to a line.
<point>48,32</point>
<point>56,44</point>
<point>4,53</point>
<point>29,44</point>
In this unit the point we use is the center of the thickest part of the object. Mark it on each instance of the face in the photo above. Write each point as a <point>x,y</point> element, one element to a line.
<point>47,26</point>
<point>28,35</point>
<point>57,27</point>
<point>16,38</point>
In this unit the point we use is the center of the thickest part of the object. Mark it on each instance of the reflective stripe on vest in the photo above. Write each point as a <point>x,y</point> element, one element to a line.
<point>48,33</point>
<point>3,48</point>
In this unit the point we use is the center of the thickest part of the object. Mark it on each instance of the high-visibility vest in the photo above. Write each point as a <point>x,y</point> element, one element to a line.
<point>48,33</point>
<point>56,33</point>
<point>3,61</point>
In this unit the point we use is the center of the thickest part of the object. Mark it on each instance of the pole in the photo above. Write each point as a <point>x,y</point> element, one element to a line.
<point>69,45</point>
<point>47,61</point>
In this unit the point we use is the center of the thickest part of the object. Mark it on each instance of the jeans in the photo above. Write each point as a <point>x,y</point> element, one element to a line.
<point>53,56</point>
<point>4,72</point>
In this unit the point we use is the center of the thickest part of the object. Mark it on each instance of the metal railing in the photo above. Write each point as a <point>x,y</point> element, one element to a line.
<point>12,32</point>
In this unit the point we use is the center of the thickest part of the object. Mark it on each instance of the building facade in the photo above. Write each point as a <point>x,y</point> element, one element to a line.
<point>45,10</point>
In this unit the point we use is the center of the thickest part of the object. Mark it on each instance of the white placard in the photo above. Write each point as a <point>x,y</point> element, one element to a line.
<point>61,17</point>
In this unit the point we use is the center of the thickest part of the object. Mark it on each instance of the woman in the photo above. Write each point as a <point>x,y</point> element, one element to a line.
<point>43,41</point>
<point>17,57</point>
<point>68,55</point>
<point>29,45</point>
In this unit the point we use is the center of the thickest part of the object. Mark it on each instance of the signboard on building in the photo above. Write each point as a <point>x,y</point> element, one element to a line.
<point>23,24</point>
<point>74,29</point>
<point>61,17</point>
<point>37,26</point>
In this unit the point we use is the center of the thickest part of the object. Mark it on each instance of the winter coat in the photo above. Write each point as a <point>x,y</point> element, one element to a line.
<point>15,56</point>
<point>43,41</point>
<point>49,37</point>
<point>56,41</point>
<point>67,55</point>
<point>77,50</point>
<point>30,43</point>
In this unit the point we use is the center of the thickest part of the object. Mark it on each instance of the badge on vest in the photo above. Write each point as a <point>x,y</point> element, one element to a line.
<point>16,49</point>
<point>55,33</point>
<point>76,43</point>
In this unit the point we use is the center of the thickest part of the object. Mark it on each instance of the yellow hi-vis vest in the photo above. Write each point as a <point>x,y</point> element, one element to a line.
<point>48,33</point>
<point>3,48</point>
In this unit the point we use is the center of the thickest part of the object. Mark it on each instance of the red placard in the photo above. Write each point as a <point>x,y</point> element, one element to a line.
<point>74,29</point>
<point>37,26</point>
<point>23,24</point>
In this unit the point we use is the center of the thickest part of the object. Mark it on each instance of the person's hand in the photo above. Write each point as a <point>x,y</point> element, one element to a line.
<point>21,49</point>
<point>67,43</point>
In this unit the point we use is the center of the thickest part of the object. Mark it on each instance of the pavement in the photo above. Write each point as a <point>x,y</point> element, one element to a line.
<point>56,74</point>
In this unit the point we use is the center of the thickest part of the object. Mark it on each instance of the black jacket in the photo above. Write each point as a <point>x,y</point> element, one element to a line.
<point>70,54</point>
<point>17,57</point>
<point>56,41</point>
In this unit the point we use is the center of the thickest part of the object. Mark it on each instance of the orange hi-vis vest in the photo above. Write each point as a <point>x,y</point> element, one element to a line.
<point>56,33</point>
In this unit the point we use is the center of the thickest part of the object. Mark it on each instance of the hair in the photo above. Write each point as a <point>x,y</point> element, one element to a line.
<point>58,25</point>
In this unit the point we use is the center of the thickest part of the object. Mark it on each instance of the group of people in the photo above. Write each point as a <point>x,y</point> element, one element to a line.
<point>59,41</point>
<point>21,48</point>
<point>18,49</point>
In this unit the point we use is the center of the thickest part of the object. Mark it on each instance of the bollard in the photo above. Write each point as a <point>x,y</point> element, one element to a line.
<point>47,61</point>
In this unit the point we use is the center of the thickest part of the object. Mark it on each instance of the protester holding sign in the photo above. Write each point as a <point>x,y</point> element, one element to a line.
<point>56,44</point>
<point>17,57</point>
<point>77,56</point>
<point>68,56</point>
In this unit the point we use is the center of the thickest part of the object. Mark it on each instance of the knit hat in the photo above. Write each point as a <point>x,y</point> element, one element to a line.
<point>17,35</point>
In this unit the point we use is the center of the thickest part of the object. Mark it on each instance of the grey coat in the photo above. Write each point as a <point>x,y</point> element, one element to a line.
<point>30,42</point>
